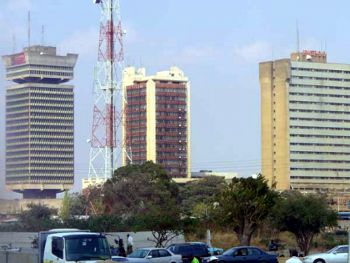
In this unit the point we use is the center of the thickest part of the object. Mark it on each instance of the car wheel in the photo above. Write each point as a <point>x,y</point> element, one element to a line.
<point>319,260</point>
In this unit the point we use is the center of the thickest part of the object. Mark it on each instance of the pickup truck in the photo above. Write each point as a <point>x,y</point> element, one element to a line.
<point>71,246</point>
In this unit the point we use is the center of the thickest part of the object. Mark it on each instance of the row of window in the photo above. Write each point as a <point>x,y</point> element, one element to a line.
<point>318,128</point>
<point>136,130</point>
<point>318,161</point>
<point>320,111</point>
<point>35,95</point>
<point>319,136</point>
<point>40,72</point>
<point>39,140</point>
<point>318,95</point>
<point>59,153</point>
<point>318,119</point>
<point>42,66</point>
<point>172,90</point>
<point>13,93</point>
<point>320,78</point>
<point>322,70</point>
<point>319,103</point>
<point>321,177</point>
<point>319,153</point>
<point>320,169</point>
<point>170,98</point>
<point>318,87</point>
<point>319,144</point>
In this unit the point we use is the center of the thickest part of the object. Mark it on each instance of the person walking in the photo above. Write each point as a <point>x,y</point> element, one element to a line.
<point>121,249</point>
<point>130,244</point>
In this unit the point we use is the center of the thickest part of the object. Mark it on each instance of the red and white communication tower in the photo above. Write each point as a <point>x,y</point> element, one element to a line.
<point>106,143</point>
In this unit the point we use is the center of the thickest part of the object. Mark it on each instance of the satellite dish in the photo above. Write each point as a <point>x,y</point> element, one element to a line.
<point>308,57</point>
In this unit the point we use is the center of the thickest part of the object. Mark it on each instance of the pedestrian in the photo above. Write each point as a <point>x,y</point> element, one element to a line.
<point>121,249</point>
<point>193,259</point>
<point>130,244</point>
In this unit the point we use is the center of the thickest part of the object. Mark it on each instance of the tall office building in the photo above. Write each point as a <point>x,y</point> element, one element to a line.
<point>157,119</point>
<point>305,113</point>
<point>39,122</point>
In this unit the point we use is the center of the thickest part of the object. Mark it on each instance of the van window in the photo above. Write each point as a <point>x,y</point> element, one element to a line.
<point>57,247</point>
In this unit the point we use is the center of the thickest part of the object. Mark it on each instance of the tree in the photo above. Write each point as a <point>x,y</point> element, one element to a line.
<point>244,204</point>
<point>65,210</point>
<point>37,218</point>
<point>133,187</point>
<point>200,193</point>
<point>304,215</point>
<point>146,194</point>
<point>78,204</point>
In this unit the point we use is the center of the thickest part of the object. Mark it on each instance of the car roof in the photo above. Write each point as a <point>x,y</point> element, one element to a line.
<point>65,234</point>
<point>188,244</point>
<point>245,247</point>
<point>150,248</point>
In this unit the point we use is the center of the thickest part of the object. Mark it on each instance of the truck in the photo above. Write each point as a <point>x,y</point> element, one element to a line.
<point>69,246</point>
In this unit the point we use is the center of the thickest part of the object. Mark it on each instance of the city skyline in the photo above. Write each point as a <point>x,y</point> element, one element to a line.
<point>218,47</point>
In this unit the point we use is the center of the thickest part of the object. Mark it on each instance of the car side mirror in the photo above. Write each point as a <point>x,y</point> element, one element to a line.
<point>149,257</point>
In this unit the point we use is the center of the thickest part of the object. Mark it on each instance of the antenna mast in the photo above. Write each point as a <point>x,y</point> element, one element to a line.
<point>14,43</point>
<point>42,35</point>
<point>106,145</point>
<point>298,41</point>
<point>29,29</point>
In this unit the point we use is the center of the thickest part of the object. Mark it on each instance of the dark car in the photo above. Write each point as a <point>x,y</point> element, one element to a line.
<point>247,254</point>
<point>186,250</point>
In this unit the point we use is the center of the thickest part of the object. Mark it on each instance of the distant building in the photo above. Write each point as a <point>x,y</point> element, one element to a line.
<point>39,122</point>
<point>156,126</point>
<point>206,173</point>
<point>305,115</point>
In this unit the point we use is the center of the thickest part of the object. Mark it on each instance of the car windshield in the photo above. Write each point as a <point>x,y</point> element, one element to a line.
<point>338,250</point>
<point>228,252</point>
<point>86,248</point>
<point>139,253</point>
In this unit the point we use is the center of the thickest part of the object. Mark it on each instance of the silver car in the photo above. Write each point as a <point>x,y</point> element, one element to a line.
<point>153,255</point>
<point>337,254</point>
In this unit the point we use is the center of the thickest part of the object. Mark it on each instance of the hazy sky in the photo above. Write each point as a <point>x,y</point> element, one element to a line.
<point>218,44</point>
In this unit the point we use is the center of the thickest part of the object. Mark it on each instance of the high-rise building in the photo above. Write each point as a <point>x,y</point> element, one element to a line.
<point>39,122</point>
<point>156,126</point>
<point>305,113</point>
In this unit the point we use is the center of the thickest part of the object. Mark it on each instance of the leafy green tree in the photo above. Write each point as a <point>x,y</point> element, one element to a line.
<point>146,194</point>
<point>200,193</point>
<point>65,209</point>
<point>304,215</point>
<point>37,217</point>
<point>78,204</point>
<point>243,206</point>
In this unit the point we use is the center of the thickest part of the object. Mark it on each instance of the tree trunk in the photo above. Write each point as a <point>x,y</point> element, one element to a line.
<point>244,235</point>
<point>304,241</point>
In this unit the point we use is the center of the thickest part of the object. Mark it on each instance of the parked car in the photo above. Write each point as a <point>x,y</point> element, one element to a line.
<point>337,254</point>
<point>214,251</point>
<point>186,250</point>
<point>153,255</point>
<point>247,254</point>
<point>119,259</point>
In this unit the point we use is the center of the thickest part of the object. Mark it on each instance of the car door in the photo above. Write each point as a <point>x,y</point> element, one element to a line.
<point>255,255</point>
<point>154,253</point>
<point>164,256</point>
<point>240,255</point>
<point>340,255</point>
